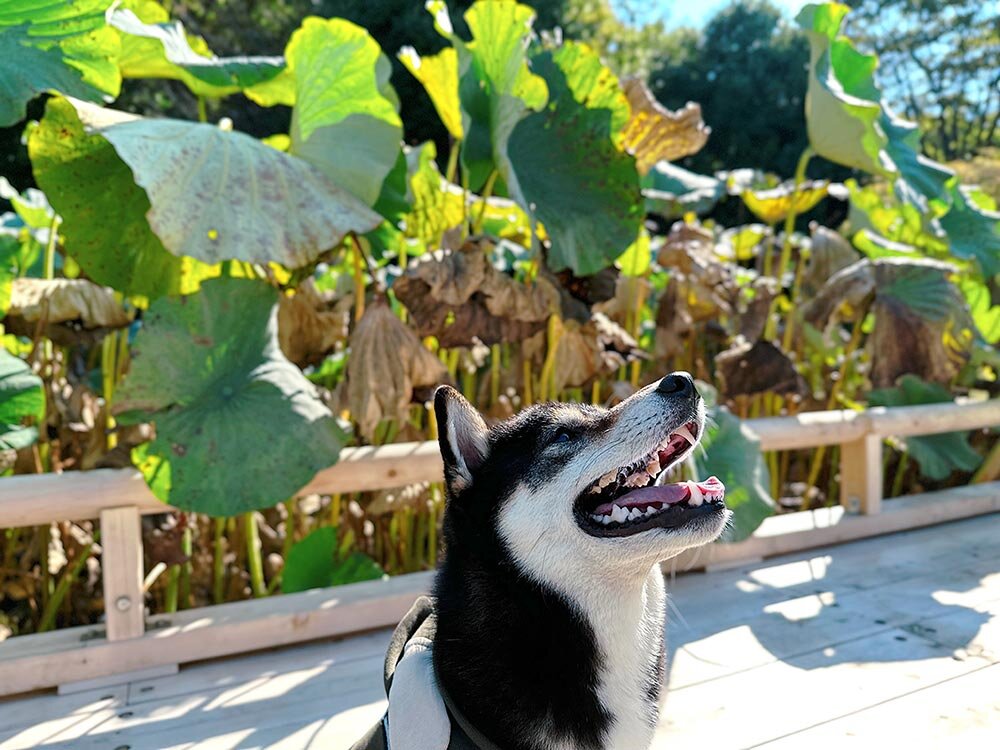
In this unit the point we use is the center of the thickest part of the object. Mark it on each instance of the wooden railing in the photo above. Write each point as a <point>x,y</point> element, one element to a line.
<point>119,497</point>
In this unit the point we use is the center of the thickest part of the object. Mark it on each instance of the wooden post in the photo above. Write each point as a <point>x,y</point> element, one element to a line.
<point>861,475</point>
<point>121,567</point>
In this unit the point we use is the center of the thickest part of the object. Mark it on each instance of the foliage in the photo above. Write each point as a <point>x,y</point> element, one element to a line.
<point>939,61</point>
<point>253,294</point>
<point>319,561</point>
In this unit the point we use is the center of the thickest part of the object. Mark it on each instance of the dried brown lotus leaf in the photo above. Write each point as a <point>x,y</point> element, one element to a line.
<point>64,301</point>
<point>308,327</point>
<point>687,246</point>
<point>746,369</point>
<point>753,312</point>
<point>830,252</point>
<point>386,363</point>
<point>458,297</point>
<point>592,349</point>
<point>847,290</point>
<point>627,290</point>
<point>654,133</point>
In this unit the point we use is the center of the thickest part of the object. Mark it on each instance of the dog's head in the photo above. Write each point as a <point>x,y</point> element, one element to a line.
<point>578,485</point>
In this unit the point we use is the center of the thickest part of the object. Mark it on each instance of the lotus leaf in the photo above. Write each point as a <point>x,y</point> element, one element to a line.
<point>654,133</point>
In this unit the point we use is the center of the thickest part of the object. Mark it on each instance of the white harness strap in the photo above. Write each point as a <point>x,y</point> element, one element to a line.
<point>418,719</point>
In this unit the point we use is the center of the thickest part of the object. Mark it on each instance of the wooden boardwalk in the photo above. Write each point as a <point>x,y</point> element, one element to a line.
<point>884,643</point>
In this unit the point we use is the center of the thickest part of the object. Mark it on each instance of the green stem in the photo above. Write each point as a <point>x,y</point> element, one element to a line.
<point>289,540</point>
<point>218,561</point>
<point>170,596</point>
<point>48,617</point>
<point>202,111</point>
<point>897,480</point>
<point>477,225</point>
<point>254,562</point>
<point>449,173</point>
<point>185,568</point>
<point>786,244</point>
<point>494,374</point>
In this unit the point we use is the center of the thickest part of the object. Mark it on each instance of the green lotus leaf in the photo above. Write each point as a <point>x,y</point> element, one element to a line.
<point>315,562</point>
<point>876,246</point>
<point>10,248</point>
<point>238,426</point>
<point>732,452</point>
<point>155,47</point>
<point>900,223</point>
<point>104,212</point>
<point>566,169</point>
<point>31,205</point>
<point>937,455</point>
<point>55,46</point>
<point>437,205</point>
<point>496,88</point>
<point>842,102</point>
<point>344,121</point>
<point>21,396</point>
<point>673,191</point>
<point>218,195</point>
<point>637,257</point>
<point>984,313</point>
<point>438,74</point>
<point>921,179</point>
<point>973,231</point>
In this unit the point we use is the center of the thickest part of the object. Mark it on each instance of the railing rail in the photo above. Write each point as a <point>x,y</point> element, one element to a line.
<point>119,496</point>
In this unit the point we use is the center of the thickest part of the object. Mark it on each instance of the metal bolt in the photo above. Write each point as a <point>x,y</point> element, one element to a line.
<point>123,604</point>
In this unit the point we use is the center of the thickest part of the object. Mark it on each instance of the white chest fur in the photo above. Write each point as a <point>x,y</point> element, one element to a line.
<point>628,622</point>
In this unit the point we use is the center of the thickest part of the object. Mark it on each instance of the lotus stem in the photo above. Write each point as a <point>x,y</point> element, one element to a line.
<point>218,560</point>
<point>48,617</point>
<point>494,374</point>
<point>170,595</point>
<point>990,468</point>
<point>449,173</point>
<point>254,563</point>
<point>359,281</point>
<point>897,480</point>
<point>286,543</point>
<point>526,396</point>
<point>187,550</point>
<point>477,225</point>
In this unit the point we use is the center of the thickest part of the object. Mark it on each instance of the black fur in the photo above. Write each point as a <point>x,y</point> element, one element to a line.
<point>518,659</point>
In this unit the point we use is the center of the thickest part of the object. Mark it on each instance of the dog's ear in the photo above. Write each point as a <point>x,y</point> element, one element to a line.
<point>462,435</point>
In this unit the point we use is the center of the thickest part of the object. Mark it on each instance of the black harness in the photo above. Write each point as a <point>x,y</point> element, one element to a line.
<point>421,622</point>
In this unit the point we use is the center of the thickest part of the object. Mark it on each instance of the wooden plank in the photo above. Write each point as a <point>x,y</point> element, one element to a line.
<point>861,475</point>
<point>961,712</point>
<point>41,660</point>
<point>31,500</point>
<point>121,568</point>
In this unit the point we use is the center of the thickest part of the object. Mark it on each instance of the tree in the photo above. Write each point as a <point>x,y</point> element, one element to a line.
<point>939,64</point>
<point>747,69</point>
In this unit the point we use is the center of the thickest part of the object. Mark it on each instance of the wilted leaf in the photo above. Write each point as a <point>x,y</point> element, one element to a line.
<point>567,170</point>
<point>849,289</point>
<point>55,46</point>
<point>730,451</point>
<point>591,350</point>
<point>241,199</point>
<point>343,123</point>
<point>754,312</point>
<point>772,206</point>
<point>104,211</point>
<point>387,361</point>
<point>937,455</point>
<point>154,47</point>
<point>315,563</point>
<point>238,427</point>
<point>65,300</point>
<point>829,253</point>
<point>438,74</point>
<point>21,397</point>
<point>761,367</point>
<point>654,133</point>
<point>457,296</point>
<point>672,191</point>
<point>309,328</point>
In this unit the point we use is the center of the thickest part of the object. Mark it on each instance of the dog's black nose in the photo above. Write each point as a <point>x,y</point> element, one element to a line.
<point>677,384</point>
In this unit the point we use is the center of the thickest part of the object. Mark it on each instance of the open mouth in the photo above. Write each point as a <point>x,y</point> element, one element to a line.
<point>634,498</point>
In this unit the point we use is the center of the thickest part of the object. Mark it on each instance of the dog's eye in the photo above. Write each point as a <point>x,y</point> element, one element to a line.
<point>561,437</point>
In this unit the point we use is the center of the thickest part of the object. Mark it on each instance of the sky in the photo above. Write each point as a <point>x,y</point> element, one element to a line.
<point>688,12</point>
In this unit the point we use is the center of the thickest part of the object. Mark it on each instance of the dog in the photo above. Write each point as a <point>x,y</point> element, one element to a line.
<point>546,627</point>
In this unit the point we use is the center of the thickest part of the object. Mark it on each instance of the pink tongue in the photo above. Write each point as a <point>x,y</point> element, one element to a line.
<point>671,494</point>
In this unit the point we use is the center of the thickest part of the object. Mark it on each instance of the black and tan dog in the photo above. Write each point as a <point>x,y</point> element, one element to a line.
<point>546,626</point>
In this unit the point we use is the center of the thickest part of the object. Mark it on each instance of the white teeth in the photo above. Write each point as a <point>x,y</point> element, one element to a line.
<point>619,514</point>
<point>634,514</point>
<point>607,479</point>
<point>605,520</point>
<point>653,467</point>
<point>685,433</point>
<point>696,494</point>
<point>650,510</point>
